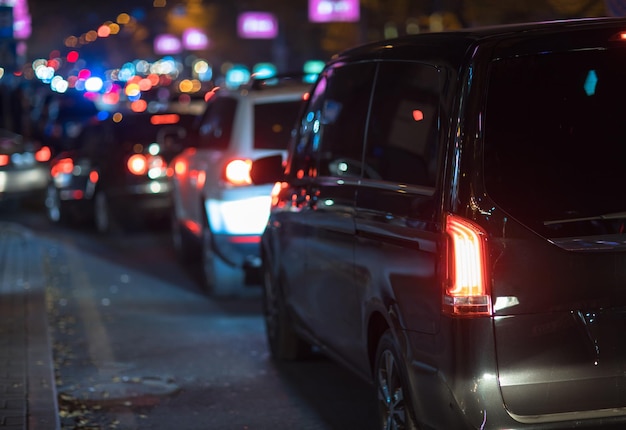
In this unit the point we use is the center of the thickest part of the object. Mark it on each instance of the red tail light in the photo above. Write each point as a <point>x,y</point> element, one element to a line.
<point>43,154</point>
<point>140,164</point>
<point>137,164</point>
<point>467,286</point>
<point>64,165</point>
<point>4,159</point>
<point>237,172</point>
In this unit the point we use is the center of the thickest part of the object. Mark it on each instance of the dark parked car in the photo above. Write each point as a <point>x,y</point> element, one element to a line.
<point>116,170</point>
<point>450,224</point>
<point>23,168</point>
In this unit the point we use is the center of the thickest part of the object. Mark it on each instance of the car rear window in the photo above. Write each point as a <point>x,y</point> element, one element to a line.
<point>555,141</point>
<point>273,123</point>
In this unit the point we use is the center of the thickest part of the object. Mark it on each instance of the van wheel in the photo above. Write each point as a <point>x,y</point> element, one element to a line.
<point>220,278</point>
<point>394,402</point>
<point>284,342</point>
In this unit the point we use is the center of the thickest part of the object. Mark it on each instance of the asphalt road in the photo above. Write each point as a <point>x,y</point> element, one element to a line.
<point>137,345</point>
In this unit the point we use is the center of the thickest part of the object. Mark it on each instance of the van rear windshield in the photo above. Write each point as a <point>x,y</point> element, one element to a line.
<point>273,123</point>
<point>555,141</point>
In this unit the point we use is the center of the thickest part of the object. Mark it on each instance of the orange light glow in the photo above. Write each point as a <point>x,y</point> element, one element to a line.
<point>137,164</point>
<point>306,96</point>
<point>4,159</point>
<point>43,154</point>
<point>237,172</point>
<point>132,89</point>
<point>171,118</point>
<point>104,31</point>
<point>139,106</point>
<point>180,167</point>
<point>93,176</point>
<point>145,84</point>
<point>201,178</point>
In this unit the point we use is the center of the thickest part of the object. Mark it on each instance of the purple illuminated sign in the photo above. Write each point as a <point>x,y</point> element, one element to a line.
<point>195,39</point>
<point>257,25</point>
<point>334,10</point>
<point>167,44</point>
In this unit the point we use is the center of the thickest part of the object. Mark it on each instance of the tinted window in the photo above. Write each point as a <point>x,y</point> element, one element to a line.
<point>555,140</point>
<point>331,134</point>
<point>217,123</point>
<point>273,123</point>
<point>402,134</point>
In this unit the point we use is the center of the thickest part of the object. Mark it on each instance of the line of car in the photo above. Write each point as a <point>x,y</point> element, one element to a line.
<point>441,213</point>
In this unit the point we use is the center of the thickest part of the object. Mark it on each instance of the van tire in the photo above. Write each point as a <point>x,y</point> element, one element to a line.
<point>395,409</point>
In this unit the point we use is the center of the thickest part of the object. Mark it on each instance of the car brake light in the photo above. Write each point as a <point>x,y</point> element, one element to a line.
<point>63,166</point>
<point>466,290</point>
<point>137,164</point>
<point>43,154</point>
<point>152,165</point>
<point>237,172</point>
<point>4,159</point>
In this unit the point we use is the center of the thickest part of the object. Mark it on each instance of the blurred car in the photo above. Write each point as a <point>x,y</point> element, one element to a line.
<point>23,168</point>
<point>215,204</point>
<point>59,117</point>
<point>450,225</point>
<point>116,170</point>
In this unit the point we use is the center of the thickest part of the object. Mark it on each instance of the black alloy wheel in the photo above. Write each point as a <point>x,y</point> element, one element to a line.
<point>394,403</point>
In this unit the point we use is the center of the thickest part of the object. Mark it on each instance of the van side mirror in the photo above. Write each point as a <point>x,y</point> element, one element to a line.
<point>267,170</point>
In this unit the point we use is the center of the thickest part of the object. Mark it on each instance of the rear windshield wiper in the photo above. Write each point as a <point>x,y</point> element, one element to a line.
<point>612,215</point>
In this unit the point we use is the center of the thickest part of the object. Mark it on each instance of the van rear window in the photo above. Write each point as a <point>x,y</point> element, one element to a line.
<point>273,123</point>
<point>555,141</point>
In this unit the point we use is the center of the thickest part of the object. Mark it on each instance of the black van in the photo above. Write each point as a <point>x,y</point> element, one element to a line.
<point>450,224</point>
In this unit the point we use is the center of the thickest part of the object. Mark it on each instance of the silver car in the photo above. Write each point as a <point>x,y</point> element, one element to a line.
<point>219,215</point>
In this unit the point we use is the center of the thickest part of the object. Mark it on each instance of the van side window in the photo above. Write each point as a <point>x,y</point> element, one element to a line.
<point>331,133</point>
<point>216,126</point>
<point>402,134</point>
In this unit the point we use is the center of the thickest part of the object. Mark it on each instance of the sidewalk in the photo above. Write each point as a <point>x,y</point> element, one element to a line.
<point>27,389</point>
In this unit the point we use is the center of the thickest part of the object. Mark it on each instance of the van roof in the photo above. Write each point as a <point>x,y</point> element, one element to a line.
<point>452,47</point>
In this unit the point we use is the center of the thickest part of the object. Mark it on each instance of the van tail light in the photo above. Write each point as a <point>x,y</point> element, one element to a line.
<point>237,172</point>
<point>466,290</point>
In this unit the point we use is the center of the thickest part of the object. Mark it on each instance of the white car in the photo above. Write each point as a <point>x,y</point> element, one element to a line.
<point>218,214</point>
